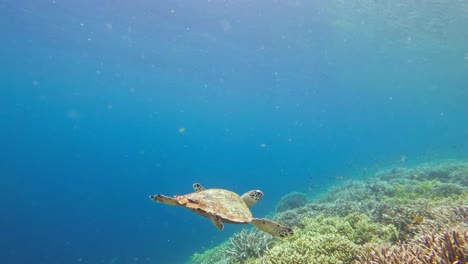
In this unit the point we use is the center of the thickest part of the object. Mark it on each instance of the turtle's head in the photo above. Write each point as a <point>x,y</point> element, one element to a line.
<point>157,198</point>
<point>163,199</point>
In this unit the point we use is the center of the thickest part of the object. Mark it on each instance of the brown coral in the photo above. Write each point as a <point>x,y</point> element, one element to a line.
<point>446,247</point>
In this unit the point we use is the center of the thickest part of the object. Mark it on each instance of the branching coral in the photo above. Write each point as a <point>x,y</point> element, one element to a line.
<point>327,240</point>
<point>210,256</point>
<point>247,244</point>
<point>313,249</point>
<point>446,247</point>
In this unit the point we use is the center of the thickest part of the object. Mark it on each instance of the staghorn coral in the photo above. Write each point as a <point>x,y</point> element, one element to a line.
<point>327,240</point>
<point>443,217</point>
<point>291,201</point>
<point>247,244</point>
<point>446,247</point>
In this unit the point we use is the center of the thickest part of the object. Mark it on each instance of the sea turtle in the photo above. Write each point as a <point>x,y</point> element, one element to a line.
<point>223,206</point>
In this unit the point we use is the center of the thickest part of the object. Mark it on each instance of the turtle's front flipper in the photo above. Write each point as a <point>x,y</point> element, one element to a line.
<point>252,197</point>
<point>272,228</point>
<point>216,220</point>
<point>164,199</point>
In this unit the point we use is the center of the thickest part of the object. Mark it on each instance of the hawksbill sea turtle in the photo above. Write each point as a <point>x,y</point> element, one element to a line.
<point>223,206</point>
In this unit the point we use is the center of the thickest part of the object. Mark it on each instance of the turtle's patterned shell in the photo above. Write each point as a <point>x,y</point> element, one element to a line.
<point>223,203</point>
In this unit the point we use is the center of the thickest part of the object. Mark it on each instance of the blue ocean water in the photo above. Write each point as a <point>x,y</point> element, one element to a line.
<point>106,102</point>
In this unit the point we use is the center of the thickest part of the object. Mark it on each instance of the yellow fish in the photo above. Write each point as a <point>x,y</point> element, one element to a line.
<point>418,219</point>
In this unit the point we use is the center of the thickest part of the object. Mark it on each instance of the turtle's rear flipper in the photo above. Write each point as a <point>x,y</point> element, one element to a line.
<point>164,199</point>
<point>216,220</point>
<point>252,197</point>
<point>272,228</point>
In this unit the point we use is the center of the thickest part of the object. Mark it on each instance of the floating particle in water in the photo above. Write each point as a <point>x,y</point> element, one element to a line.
<point>132,90</point>
<point>182,130</point>
<point>73,114</point>
<point>403,158</point>
<point>225,25</point>
<point>263,145</point>
<point>109,106</point>
<point>36,83</point>
<point>466,56</point>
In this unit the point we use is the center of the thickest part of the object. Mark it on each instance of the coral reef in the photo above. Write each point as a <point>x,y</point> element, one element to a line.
<point>247,244</point>
<point>394,215</point>
<point>210,256</point>
<point>446,247</point>
<point>328,240</point>
<point>291,201</point>
<point>244,245</point>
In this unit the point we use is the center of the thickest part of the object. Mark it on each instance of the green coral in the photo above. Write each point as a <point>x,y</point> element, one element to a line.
<point>367,231</point>
<point>327,240</point>
<point>210,256</point>
<point>247,244</point>
<point>425,189</point>
<point>324,248</point>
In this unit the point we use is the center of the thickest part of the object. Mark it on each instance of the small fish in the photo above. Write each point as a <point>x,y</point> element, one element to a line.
<point>418,219</point>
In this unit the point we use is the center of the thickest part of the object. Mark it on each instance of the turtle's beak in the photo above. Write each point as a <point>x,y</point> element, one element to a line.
<point>157,198</point>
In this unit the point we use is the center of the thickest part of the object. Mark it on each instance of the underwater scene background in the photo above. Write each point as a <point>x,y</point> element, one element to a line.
<point>350,116</point>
